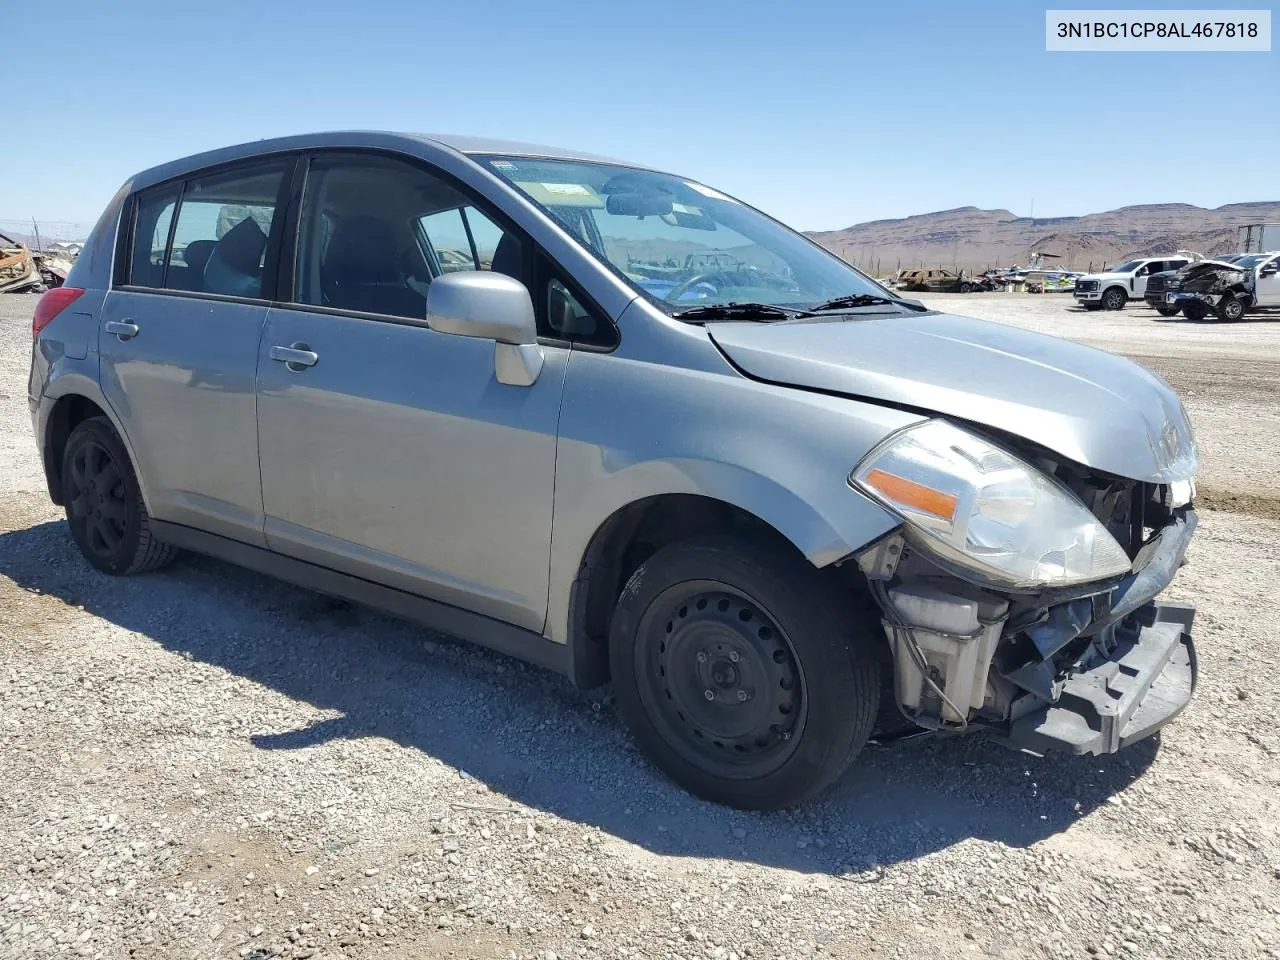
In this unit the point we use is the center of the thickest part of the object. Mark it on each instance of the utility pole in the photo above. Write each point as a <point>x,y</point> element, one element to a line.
<point>36,227</point>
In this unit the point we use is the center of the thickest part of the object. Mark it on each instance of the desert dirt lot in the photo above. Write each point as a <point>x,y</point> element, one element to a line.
<point>202,763</point>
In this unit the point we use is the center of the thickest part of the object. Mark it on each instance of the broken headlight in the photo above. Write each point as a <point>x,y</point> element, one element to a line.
<point>980,507</point>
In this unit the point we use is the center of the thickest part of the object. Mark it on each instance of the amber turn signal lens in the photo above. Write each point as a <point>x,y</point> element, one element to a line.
<point>911,494</point>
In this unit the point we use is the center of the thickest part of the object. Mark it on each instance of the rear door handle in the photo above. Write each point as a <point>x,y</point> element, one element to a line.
<point>124,329</point>
<point>298,356</point>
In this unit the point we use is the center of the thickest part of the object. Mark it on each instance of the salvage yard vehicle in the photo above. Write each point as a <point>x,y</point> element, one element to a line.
<point>754,513</point>
<point>942,281</point>
<point>1157,282</point>
<point>1128,281</point>
<point>1228,290</point>
<point>19,270</point>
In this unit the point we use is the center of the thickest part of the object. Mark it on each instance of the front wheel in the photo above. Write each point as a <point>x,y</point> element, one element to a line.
<point>745,674</point>
<point>1114,299</point>
<point>105,512</point>
<point>1230,309</point>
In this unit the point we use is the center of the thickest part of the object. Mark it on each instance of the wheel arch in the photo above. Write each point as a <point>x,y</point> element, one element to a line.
<point>634,530</point>
<point>77,400</point>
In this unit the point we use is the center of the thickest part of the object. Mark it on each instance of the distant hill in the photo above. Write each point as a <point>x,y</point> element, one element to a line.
<point>975,239</point>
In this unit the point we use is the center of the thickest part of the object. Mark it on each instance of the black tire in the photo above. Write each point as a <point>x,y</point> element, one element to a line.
<point>780,648</point>
<point>966,288</point>
<point>108,520</point>
<point>1230,309</point>
<point>1114,298</point>
<point>1092,305</point>
<point>1167,311</point>
<point>1195,310</point>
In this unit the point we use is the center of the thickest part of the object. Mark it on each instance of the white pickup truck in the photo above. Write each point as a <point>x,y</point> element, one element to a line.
<point>1113,289</point>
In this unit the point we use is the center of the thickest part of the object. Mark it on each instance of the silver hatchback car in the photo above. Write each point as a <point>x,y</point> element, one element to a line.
<point>624,426</point>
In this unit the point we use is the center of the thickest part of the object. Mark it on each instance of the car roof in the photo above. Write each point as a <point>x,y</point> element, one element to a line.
<point>364,139</point>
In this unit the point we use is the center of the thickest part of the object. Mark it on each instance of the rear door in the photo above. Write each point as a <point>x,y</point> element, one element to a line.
<point>179,342</point>
<point>390,451</point>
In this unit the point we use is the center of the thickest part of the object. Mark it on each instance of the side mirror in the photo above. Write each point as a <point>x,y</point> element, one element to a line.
<point>1271,269</point>
<point>489,306</point>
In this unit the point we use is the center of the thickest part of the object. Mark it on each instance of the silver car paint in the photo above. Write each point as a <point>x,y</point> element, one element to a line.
<point>400,458</point>
<point>1090,406</point>
<point>663,413</point>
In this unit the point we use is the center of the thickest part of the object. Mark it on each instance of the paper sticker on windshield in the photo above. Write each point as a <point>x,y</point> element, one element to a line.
<point>567,189</point>
<point>502,164</point>
<point>707,191</point>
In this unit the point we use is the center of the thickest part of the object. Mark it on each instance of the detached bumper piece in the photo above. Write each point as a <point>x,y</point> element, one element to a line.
<point>1144,683</point>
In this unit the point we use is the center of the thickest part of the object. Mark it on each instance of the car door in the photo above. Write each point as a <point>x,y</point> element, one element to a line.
<point>1267,282</point>
<point>178,343</point>
<point>390,451</point>
<point>1138,282</point>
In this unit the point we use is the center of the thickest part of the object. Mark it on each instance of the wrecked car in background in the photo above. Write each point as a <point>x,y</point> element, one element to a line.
<point>23,270</point>
<point>943,281</point>
<point>1228,290</point>
<point>751,512</point>
<point>19,271</point>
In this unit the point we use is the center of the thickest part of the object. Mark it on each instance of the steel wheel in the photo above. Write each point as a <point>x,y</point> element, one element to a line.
<point>97,498</point>
<point>720,679</point>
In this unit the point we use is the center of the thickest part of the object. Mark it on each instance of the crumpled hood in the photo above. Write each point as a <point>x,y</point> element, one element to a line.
<point>1087,405</point>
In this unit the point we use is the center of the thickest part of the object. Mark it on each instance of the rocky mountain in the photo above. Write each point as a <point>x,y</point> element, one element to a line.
<point>974,239</point>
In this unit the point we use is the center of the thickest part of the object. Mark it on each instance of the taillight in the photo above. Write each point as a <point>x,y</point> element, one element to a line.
<point>51,304</point>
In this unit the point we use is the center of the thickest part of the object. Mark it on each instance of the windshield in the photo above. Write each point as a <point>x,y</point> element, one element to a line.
<point>1127,267</point>
<point>1248,263</point>
<point>680,243</point>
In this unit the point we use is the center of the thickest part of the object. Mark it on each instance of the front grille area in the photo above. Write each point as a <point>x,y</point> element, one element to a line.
<point>1156,284</point>
<point>1086,286</point>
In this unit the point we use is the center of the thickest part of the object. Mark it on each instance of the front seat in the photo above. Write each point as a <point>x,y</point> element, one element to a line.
<point>235,266</point>
<point>361,270</point>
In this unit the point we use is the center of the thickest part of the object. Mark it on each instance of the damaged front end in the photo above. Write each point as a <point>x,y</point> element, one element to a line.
<point>1210,286</point>
<point>1019,595</point>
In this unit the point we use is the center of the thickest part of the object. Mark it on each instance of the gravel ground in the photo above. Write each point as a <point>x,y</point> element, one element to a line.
<point>202,763</point>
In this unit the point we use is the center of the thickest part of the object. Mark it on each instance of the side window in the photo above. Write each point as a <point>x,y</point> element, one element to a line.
<point>151,235</point>
<point>1175,264</point>
<point>463,239</point>
<point>447,232</point>
<point>374,231</point>
<point>220,240</point>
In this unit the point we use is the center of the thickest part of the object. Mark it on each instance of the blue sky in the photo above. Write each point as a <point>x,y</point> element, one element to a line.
<point>823,114</point>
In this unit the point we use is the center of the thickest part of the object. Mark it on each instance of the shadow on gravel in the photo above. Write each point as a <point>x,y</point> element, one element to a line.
<point>530,736</point>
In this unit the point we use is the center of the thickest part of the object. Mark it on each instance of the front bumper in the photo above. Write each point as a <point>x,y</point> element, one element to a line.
<point>1125,696</point>
<point>1087,294</point>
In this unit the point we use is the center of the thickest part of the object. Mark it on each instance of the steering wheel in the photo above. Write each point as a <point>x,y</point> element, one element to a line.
<point>680,289</point>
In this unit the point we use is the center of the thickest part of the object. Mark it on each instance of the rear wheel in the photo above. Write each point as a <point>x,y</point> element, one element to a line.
<point>1230,309</point>
<point>744,673</point>
<point>966,287</point>
<point>1115,299</point>
<point>108,520</point>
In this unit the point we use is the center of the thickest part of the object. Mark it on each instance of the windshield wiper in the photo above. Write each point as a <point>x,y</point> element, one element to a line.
<point>863,300</point>
<point>763,312</point>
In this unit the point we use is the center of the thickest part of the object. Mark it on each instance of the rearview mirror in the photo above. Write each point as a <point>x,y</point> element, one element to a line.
<point>638,205</point>
<point>489,306</point>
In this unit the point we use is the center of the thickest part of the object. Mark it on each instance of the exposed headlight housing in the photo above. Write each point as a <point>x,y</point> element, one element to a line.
<point>982,508</point>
